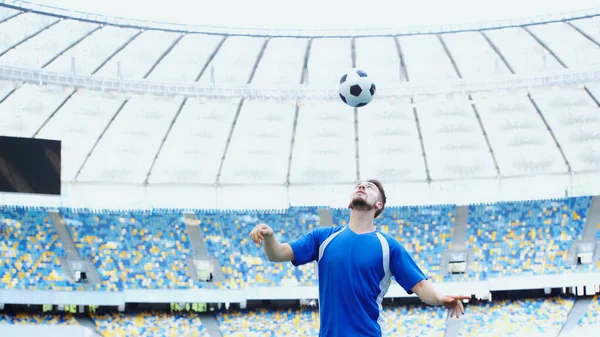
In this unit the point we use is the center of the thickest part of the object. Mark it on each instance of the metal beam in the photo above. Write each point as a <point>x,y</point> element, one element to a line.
<point>258,59</point>
<point>118,50</point>
<point>292,142</point>
<point>178,113</point>
<point>304,74</point>
<point>403,71</point>
<point>164,139</point>
<point>356,137</point>
<point>11,16</point>
<point>475,111</point>
<point>586,35</point>
<point>210,58</point>
<point>560,149</point>
<point>495,48</point>
<point>303,80</point>
<point>86,35</point>
<point>418,124</point>
<point>27,38</point>
<point>54,113</point>
<point>163,55</point>
<point>537,108</point>
<point>239,110</point>
<point>99,138</point>
<point>231,130</point>
<point>74,91</point>
<point>536,38</point>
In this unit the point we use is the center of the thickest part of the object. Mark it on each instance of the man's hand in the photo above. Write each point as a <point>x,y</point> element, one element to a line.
<point>259,232</point>
<point>276,252</point>
<point>454,303</point>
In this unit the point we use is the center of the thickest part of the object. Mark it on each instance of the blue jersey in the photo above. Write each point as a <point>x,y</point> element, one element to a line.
<point>355,272</point>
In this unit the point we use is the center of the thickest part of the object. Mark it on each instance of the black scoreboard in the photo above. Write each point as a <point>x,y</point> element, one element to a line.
<point>30,165</point>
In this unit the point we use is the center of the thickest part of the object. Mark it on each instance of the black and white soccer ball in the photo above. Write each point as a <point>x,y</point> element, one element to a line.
<point>356,88</point>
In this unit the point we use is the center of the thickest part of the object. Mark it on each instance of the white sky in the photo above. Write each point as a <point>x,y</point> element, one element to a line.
<point>322,14</point>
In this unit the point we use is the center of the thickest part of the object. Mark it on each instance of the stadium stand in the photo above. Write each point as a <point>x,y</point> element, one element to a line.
<point>514,318</point>
<point>30,249</point>
<point>269,323</point>
<point>524,238</point>
<point>242,261</point>
<point>133,249</point>
<point>149,249</point>
<point>32,319</point>
<point>589,324</point>
<point>414,321</point>
<point>148,324</point>
<point>409,321</point>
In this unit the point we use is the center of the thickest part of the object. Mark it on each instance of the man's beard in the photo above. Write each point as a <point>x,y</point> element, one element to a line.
<point>360,204</point>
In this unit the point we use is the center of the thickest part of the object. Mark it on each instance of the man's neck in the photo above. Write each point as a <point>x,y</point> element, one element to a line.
<point>361,222</point>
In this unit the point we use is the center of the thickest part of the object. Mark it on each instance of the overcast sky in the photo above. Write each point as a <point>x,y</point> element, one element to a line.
<point>322,14</point>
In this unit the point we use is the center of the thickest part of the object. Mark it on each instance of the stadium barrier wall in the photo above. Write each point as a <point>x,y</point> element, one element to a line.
<point>480,290</point>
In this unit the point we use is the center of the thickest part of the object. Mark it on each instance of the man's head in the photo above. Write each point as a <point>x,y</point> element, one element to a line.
<point>368,195</point>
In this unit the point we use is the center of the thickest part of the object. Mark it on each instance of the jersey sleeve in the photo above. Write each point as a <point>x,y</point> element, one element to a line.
<point>403,268</point>
<point>306,247</point>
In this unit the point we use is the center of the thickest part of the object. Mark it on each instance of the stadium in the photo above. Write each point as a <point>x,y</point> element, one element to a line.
<point>175,140</point>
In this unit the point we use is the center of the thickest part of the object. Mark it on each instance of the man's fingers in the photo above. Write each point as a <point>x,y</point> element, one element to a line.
<point>254,235</point>
<point>462,308</point>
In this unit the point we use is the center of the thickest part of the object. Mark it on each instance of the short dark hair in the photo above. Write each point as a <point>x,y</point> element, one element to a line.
<point>381,193</point>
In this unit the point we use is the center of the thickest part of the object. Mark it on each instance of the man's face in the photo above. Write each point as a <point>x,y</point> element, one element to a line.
<point>364,197</point>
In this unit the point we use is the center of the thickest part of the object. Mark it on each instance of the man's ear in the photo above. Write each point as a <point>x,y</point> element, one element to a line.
<point>379,205</point>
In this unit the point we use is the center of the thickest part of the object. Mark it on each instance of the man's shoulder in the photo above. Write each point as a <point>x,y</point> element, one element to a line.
<point>326,231</point>
<point>392,241</point>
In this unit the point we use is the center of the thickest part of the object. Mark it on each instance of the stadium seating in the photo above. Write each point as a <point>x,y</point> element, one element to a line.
<point>30,249</point>
<point>30,319</point>
<point>269,323</point>
<point>514,318</point>
<point>149,324</point>
<point>530,237</point>
<point>414,321</point>
<point>245,263</point>
<point>409,321</point>
<point>589,324</point>
<point>133,249</point>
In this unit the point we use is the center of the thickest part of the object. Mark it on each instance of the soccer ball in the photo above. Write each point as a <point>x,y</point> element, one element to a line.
<point>356,88</point>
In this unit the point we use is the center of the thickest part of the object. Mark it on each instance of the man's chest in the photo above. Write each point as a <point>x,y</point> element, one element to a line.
<point>353,254</point>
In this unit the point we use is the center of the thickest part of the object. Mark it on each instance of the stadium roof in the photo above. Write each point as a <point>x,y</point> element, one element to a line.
<point>109,93</point>
<point>333,17</point>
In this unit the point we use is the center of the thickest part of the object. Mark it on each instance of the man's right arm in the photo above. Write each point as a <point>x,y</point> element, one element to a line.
<point>276,251</point>
<point>300,251</point>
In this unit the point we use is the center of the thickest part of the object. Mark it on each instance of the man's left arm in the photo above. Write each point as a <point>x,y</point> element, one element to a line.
<point>408,274</point>
<point>429,294</point>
